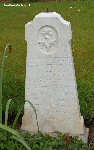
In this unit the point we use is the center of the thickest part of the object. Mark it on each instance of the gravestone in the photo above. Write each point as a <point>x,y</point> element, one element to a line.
<point>50,78</point>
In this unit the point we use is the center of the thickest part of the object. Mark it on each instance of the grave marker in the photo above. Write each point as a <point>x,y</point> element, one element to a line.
<point>50,78</point>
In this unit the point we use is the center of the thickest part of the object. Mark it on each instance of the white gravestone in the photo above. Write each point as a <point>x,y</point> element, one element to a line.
<point>50,77</point>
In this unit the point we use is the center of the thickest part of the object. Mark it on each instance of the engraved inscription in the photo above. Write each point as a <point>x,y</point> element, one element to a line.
<point>47,40</point>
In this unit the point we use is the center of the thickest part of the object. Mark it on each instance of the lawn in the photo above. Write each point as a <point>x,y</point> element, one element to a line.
<point>12,30</point>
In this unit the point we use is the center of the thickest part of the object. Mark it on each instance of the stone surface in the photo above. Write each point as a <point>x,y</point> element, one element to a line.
<point>50,77</point>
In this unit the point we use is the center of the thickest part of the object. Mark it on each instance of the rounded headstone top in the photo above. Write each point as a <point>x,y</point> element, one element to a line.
<point>51,15</point>
<point>48,14</point>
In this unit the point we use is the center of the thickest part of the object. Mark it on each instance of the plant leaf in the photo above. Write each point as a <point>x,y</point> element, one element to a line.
<point>16,134</point>
<point>2,136</point>
<point>21,141</point>
<point>0,100</point>
<point>31,105</point>
<point>17,116</point>
<point>35,113</point>
<point>6,112</point>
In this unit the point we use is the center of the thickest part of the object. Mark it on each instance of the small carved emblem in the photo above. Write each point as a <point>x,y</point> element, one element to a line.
<point>48,40</point>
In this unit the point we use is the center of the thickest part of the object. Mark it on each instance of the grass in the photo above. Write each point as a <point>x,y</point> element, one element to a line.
<point>12,30</point>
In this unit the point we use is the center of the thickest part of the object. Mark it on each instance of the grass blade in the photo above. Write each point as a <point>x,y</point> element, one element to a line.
<point>21,141</point>
<point>15,133</point>
<point>0,100</point>
<point>35,113</point>
<point>6,112</point>
<point>17,116</point>
<point>2,67</point>
<point>1,78</point>
<point>32,106</point>
<point>2,72</point>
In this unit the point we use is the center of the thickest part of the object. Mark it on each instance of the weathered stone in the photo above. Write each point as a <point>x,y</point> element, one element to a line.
<point>50,77</point>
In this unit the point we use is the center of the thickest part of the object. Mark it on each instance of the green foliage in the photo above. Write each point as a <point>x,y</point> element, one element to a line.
<point>6,112</point>
<point>86,96</point>
<point>45,142</point>
<point>8,46</point>
<point>15,135</point>
<point>17,116</point>
<point>0,100</point>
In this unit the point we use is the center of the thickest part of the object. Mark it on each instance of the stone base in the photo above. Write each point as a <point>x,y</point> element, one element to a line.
<point>84,136</point>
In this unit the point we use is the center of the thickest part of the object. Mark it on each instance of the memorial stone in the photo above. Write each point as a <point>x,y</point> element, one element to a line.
<point>50,78</point>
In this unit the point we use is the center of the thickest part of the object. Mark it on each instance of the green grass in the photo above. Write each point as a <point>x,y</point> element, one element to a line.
<point>12,30</point>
